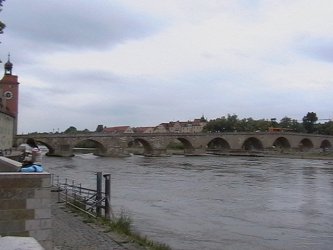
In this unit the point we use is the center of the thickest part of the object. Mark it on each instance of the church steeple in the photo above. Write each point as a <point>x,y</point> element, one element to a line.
<point>8,66</point>
<point>9,92</point>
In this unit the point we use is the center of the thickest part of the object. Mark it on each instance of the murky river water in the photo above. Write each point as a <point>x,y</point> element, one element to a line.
<point>217,202</point>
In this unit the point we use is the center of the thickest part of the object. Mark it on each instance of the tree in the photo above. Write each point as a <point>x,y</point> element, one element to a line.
<point>309,122</point>
<point>2,25</point>
<point>291,124</point>
<point>326,128</point>
<point>285,122</point>
<point>71,130</point>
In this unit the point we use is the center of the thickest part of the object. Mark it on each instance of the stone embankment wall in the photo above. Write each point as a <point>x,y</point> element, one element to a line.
<point>25,206</point>
<point>6,130</point>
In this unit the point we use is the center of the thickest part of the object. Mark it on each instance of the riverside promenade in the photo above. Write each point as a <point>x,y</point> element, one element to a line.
<point>70,231</point>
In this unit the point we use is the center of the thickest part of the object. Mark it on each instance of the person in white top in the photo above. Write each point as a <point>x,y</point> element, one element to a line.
<point>32,161</point>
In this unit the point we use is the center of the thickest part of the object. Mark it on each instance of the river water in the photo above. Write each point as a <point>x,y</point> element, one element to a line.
<point>214,202</point>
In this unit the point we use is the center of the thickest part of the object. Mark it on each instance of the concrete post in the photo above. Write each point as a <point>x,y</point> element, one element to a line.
<point>108,210</point>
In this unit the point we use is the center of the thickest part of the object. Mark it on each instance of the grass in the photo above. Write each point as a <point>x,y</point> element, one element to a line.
<point>122,225</point>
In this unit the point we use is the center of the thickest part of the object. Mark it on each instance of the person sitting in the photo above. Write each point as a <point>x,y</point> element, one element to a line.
<point>32,161</point>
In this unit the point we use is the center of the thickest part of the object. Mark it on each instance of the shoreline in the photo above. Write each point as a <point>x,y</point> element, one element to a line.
<point>294,155</point>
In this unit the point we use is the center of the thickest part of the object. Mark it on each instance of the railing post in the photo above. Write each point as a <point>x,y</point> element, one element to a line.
<point>66,191</point>
<point>58,187</point>
<point>73,190</point>
<point>99,194</point>
<point>107,207</point>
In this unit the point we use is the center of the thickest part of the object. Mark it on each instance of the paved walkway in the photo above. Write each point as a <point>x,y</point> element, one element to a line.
<point>70,232</point>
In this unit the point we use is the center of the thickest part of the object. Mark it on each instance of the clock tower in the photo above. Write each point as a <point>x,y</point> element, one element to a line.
<point>9,90</point>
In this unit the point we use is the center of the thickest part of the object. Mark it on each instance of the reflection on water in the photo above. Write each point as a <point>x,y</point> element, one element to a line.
<point>217,202</point>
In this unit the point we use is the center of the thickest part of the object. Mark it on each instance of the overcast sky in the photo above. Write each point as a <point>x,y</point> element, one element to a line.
<point>144,62</point>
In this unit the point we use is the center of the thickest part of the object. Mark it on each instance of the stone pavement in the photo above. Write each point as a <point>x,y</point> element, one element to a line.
<point>70,232</point>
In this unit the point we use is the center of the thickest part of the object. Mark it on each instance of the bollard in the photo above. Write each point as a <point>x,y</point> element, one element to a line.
<point>99,194</point>
<point>107,208</point>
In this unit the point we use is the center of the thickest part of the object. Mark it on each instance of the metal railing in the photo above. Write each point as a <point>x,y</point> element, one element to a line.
<point>93,202</point>
<point>4,152</point>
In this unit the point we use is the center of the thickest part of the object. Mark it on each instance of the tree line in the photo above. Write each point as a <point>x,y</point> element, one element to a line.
<point>231,123</point>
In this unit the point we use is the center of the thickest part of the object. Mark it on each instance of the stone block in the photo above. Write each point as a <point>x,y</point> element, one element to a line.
<point>42,235</point>
<point>9,165</point>
<point>15,243</point>
<point>21,183</point>
<point>17,214</point>
<point>38,203</point>
<point>42,213</point>
<point>46,181</point>
<point>16,193</point>
<point>7,204</point>
<point>39,224</point>
<point>43,193</point>
<point>12,226</point>
<point>25,206</point>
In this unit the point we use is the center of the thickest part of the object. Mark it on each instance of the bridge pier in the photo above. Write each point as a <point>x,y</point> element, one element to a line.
<point>61,150</point>
<point>156,152</point>
<point>194,151</point>
<point>115,151</point>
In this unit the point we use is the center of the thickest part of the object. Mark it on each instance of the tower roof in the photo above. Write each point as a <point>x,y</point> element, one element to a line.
<point>8,66</point>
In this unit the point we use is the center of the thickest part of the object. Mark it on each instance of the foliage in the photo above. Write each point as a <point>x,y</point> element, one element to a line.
<point>291,124</point>
<point>231,123</point>
<point>2,25</point>
<point>176,145</point>
<point>73,130</point>
<point>121,224</point>
<point>309,122</point>
<point>326,128</point>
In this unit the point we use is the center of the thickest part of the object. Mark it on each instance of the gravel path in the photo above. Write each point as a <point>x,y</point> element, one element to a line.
<point>70,232</point>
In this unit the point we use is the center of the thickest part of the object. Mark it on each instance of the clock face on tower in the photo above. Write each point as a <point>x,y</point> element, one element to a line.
<point>8,95</point>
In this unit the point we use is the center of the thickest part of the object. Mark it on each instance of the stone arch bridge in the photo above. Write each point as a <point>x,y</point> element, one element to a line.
<point>154,144</point>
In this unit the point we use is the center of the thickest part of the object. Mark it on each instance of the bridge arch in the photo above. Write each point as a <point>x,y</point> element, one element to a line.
<point>218,144</point>
<point>282,143</point>
<point>97,147</point>
<point>305,144</point>
<point>188,147</point>
<point>252,144</point>
<point>325,144</point>
<point>139,142</point>
<point>50,149</point>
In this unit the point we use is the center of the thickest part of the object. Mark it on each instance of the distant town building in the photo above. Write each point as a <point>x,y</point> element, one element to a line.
<point>118,130</point>
<point>143,130</point>
<point>162,128</point>
<point>195,126</point>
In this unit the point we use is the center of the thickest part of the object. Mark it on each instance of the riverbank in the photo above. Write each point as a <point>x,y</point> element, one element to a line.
<point>302,155</point>
<point>71,231</point>
<point>289,154</point>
